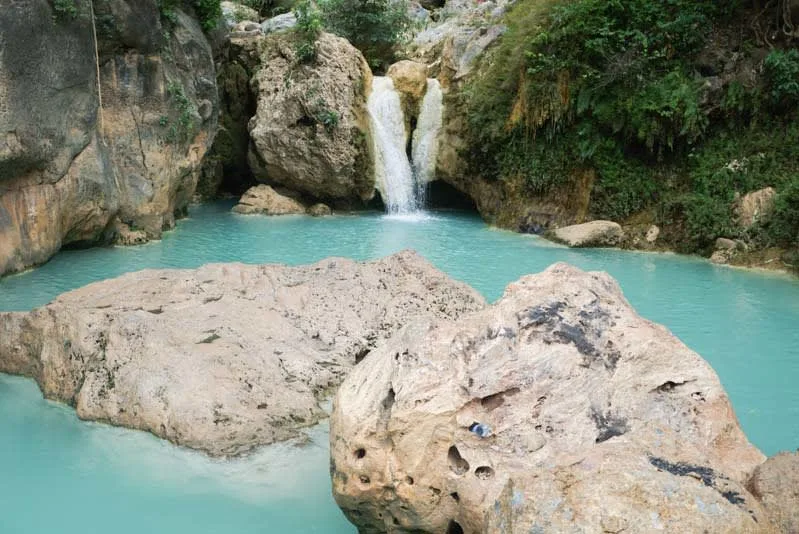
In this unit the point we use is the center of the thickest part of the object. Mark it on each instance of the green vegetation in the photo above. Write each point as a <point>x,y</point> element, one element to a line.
<point>375,27</point>
<point>65,9</point>
<point>182,129</point>
<point>208,11</point>
<point>626,89</point>
<point>309,26</point>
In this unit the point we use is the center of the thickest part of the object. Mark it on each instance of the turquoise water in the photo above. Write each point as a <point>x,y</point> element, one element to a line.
<point>744,323</point>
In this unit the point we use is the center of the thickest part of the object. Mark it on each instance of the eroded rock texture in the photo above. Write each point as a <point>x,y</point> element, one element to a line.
<point>69,172</point>
<point>310,131</point>
<point>226,357</point>
<point>557,409</point>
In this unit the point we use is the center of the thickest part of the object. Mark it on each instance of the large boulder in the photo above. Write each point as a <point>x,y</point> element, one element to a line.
<point>776,485</point>
<point>263,200</point>
<point>69,169</point>
<point>226,357</point>
<point>590,234</point>
<point>557,409</point>
<point>283,22</point>
<point>754,207</point>
<point>310,131</point>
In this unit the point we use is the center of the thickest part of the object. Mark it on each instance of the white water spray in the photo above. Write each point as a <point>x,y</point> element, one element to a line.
<point>425,138</point>
<point>392,168</point>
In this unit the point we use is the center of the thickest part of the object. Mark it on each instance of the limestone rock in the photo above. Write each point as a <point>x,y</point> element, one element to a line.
<point>234,13</point>
<point>310,131</point>
<point>66,170</point>
<point>409,77</point>
<point>127,236</point>
<point>557,409</point>
<point>286,21</point>
<point>754,207</point>
<point>652,234</point>
<point>722,243</point>
<point>320,210</point>
<point>226,357</point>
<point>263,200</point>
<point>776,485</point>
<point>590,234</point>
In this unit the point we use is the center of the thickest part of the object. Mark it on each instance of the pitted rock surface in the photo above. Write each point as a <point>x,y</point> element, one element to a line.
<point>226,357</point>
<point>557,409</point>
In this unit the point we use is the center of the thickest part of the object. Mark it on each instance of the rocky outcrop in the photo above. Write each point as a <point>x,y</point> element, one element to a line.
<point>70,170</point>
<point>226,357</point>
<point>263,200</point>
<point>320,210</point>
<point>590,234</point>
<point>776,485</point>
<point>754,207</point>
<point>410,81</point>
<point>280,23</point>
<point>557,409</point>
<point>234,13</point>
<point>310,131</point>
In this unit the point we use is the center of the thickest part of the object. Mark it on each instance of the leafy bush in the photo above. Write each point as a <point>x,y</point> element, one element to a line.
<point>309,26</point>
<point>783,224</point>
<point>208,11</point>
<point>183,129</point>
<point>65,9</point>
<point>375,27</point>
<point>782,73</point>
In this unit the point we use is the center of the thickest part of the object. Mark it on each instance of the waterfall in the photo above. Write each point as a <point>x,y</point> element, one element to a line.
<point>425,138</point>
<point>392,168</point>
<point>402,183</point>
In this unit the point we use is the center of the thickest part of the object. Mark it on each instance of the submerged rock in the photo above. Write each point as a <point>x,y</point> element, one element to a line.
<point>263,200</point>
<point>590,418</point>
<point>226,357</point>
<point>320,210</point>
<point>310,131</point>
<point>590,234</point>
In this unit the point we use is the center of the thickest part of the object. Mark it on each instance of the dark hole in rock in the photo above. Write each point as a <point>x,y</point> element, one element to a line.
<point>454,528</point>
<point>360,453</point>
<point>455,496</point>
<point>396,521</point>
<point>441,195</point>
<point>361,355</point>
<point>409,480</point>
<point>484,472</point>
<point>388,402</point>
<point>457,464</point>
<point>492,402</point>
<point>364,479</point>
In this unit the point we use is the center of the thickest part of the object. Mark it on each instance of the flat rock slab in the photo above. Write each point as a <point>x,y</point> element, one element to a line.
<point>590,234</point>
<point>557,409</point>
<point>226,357</point>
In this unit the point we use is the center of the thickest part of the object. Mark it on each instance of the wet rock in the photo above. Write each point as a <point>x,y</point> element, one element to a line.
<point>598,418</point>
<point>320,210</point>
<point>263,200</point>
<point>590,234</point>
<point>776,484</point>
<point>310,132</point>
<point>226,357</point>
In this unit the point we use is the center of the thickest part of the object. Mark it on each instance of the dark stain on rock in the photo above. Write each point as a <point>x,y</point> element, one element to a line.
<point>608,425</point>
<point>706,474</point>
<point>539,315</point>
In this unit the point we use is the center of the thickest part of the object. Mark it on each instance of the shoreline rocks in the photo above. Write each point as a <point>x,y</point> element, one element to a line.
<point>263,200</point>
<point>227,357</point>
<point>590,234</point>
<point>556,409</point>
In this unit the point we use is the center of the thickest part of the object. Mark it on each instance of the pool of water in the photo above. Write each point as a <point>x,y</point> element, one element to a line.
<point>66,476</point>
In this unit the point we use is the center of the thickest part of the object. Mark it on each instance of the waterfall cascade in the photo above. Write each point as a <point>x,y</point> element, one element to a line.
<point>401,182</point>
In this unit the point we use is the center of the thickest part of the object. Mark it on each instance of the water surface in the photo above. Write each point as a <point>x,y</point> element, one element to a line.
<point>62,475</point>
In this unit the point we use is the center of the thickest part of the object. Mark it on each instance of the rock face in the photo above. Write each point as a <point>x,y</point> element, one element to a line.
<point>590,234</point>
<point>286,21</point>
<point>226,357</point>
<point>776,485</point>
<point>557,409</point>
<point>410,81</point>
<point>310,131</point>
<point>264,200</point>
<point>754,207</point>
<point>69,171</point>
